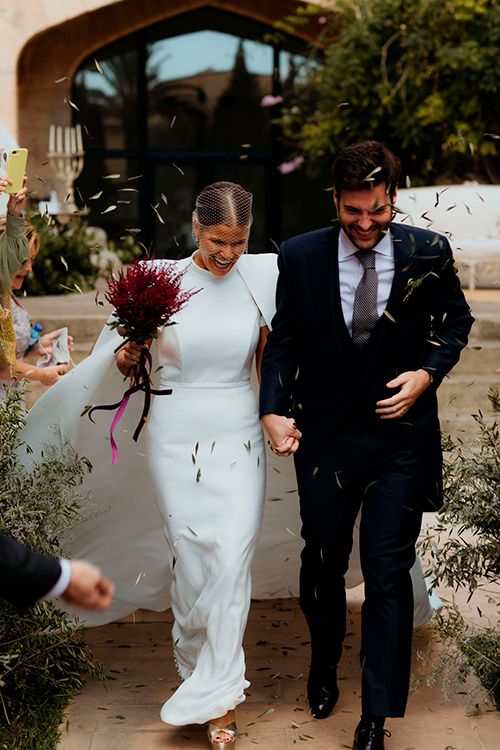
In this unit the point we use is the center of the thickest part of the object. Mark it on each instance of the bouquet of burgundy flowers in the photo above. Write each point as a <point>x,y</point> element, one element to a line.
<point>145,297</point>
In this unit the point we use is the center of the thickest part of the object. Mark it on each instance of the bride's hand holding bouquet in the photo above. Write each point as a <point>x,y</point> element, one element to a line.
<point>145,296</point>
<point>129,356</point>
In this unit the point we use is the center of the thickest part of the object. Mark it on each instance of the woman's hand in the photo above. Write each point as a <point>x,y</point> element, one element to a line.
<point>283,434</point>
<point>46,342</point>
<point>129,356</point>
<point>17,201</point>
<point>49,375</point>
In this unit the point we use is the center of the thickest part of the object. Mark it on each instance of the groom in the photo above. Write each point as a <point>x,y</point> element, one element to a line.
<point>370,319</point>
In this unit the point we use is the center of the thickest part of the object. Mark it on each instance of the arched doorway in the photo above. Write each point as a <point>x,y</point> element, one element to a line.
<point>177,105</point>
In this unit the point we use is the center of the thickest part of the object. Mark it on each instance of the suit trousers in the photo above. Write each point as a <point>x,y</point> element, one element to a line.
<point>374,470</point>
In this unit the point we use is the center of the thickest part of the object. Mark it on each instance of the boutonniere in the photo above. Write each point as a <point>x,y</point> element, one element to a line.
<point>414,283</point>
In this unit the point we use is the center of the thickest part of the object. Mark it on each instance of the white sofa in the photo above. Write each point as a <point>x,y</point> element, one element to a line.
<point>469,215</point>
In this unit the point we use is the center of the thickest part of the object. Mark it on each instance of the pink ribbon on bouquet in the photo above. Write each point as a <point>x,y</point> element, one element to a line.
<point>141,382</point>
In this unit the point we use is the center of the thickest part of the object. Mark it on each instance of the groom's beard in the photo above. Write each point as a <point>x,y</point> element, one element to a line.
<point>365,240</point>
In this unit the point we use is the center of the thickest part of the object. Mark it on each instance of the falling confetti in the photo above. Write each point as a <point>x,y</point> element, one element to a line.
<point>72,104</point>
<point>264,714</point>
<point>158,215</point>
<point>370,177</point>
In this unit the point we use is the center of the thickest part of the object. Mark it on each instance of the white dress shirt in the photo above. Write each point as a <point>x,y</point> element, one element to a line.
<point>351,272</point>
<point>62,582</point>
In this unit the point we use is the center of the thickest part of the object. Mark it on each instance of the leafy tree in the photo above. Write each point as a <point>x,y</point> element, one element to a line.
<point>420,75</point>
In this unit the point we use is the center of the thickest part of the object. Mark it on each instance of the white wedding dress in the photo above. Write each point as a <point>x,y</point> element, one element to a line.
<point>207,457</point>
<point>176,520</point>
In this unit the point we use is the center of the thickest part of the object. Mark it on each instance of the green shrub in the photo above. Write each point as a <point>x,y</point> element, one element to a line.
<point>482,650</point>
<point>42,653</point>
<point>463,550</point>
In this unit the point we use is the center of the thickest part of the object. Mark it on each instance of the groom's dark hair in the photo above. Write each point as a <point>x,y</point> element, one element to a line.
<point>364,165</point>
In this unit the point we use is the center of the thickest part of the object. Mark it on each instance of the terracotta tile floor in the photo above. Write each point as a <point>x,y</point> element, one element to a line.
<point>123,713</point>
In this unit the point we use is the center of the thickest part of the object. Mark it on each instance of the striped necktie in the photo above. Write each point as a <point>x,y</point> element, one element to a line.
<point>364,315</point>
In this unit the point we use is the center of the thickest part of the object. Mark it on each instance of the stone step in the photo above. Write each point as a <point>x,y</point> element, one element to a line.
<point>466,393</point>
<point>462,427</point>
<point>80,312</point>
<point>486,326</point>
<point>84,329</point>
<point>485,334</point>
<point>480,356</point>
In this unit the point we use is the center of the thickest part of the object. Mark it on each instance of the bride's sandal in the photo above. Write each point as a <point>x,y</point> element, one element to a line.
<point>213,730</point>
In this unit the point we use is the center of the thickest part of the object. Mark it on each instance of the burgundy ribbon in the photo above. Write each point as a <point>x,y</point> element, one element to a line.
<point>141,382</point>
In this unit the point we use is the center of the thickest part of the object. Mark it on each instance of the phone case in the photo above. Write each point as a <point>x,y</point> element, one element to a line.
<point>61,353</point>
<point>15,169</point>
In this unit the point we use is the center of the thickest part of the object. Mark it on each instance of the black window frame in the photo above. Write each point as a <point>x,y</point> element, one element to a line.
<point>148,159</point>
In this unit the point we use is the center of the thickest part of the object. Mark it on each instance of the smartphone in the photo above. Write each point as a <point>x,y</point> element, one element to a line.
<point>60,348</point>
<point>15,169</point>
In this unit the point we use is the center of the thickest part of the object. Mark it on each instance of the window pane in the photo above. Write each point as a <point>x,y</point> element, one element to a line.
<point>108,101</point>
<point>118,191</point>
<point>293,69</point>
<point>306,202</point>
<point>204,91</point>
<point>172,238</point>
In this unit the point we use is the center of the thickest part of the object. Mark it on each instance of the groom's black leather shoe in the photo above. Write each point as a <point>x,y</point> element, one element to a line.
<point>369,736</point>
<point>322,695</point>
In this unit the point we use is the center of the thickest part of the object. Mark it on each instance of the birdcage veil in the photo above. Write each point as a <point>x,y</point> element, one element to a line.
<point>223,204</point>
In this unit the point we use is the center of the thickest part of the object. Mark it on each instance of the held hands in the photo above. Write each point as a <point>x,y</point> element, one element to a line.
<point>88,587</point>
<point>413,383</point>
<point>283,434</point>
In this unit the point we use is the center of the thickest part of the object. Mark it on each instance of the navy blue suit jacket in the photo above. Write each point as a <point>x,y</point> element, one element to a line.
<point>313,371</point>
<point>25,575</point>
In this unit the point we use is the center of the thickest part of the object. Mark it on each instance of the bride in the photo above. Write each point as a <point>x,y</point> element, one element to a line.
<point>203,467</point>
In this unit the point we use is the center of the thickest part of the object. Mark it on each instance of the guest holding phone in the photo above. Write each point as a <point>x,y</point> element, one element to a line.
<point>26,348</point>
<point>13,254</point>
